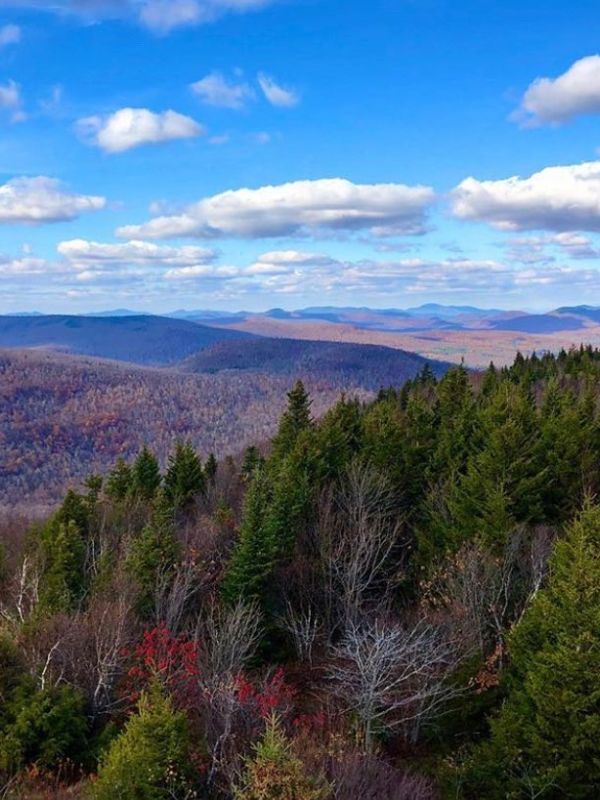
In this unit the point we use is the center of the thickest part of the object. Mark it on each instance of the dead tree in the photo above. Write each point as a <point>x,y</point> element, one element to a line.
<point>393,676</point>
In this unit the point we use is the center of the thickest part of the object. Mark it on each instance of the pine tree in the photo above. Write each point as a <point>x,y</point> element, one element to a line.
<point>546,740</point>
<point>252,460</point>
<point>146,474</point>
<point>251,561</point>
<point>151,758</point>
<point>185,479</point>
<point>295,419</point>
<point>274,772</point>
<point>62,550</point>
<point>505,477</point>
<point>152,555</point>
<point>120,480</point>
<point>277,508</point>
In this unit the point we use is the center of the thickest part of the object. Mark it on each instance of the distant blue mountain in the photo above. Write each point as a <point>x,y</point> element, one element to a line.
<point>141,339</point>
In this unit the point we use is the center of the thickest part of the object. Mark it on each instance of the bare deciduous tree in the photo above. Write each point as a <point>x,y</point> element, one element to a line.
<point>358,529</point>
<point>227,638</point>
<point>393,676</point>
<point>304,626</point>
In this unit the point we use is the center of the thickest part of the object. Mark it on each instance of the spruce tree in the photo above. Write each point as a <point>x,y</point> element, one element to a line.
<point>545,742</point>
<point>146,474</point>
<point>251,461</point>
<point>295,419</point>
<point>151,759</point>
<point>120,480</point>
<point>275,772</point>
<point>152,555</point>
<point>505,478</point>
<point>184,479</point>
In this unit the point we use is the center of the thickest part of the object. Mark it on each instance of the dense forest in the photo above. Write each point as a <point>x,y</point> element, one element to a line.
<point>396,600</point>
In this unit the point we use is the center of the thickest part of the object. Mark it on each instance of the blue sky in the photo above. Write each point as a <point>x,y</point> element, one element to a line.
<point>256,153</point>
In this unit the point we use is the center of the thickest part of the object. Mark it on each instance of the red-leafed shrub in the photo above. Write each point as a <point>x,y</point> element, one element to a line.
<point>171,660</point>
<point>273,695</point>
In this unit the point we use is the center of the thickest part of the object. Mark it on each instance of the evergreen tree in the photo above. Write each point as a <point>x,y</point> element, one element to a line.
<point>185,479</point>
<point>152,556</point>
<point>295,419</point>
<point>274,772</point>
<point>210,468</point>
<point>251,462</point>
<point>120,481</point>
<point>276,510</point>
<point>546,740</point>
<point>505,477</point>
<point>146,474</point>
<point>151,759</point>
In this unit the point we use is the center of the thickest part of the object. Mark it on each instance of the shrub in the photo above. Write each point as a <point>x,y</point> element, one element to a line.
<point>275,773</point>
<point>44,728</point>
<point>151,759</point>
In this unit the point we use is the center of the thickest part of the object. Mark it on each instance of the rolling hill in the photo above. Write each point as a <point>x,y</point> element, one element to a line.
<point>140,339</point>
<point>63,417</point>
<point>342,365</point>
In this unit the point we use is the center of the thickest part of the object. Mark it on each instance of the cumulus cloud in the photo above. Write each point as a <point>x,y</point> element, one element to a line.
<point>89,253</point>
<point>215,90</point>
<point>159,16</point>
<point>557,100</point>
<point>43,199</point>
<point>296,208</point>
<point>559,199</point>
<point>134,127</point>
<point>9,34</point>
<point>202,271</point>
<point>276,94</point>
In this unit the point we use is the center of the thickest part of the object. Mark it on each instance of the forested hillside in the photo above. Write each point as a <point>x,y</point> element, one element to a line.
<point>399,600</point>
<point>143,339</point>
<point>62,417</point>
<point>344,364</point>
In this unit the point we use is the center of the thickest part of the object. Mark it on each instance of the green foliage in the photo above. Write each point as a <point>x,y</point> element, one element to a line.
<point>251,462</point>
<point>505,476</point>
<point>152,556</point>
<point>151,758</point>
<point>61,550</point>
<point>546,740</point>
<point>119,483</point>
<point>275,773</point>
<point>185,479</point>
<point>42,727</point>
<point>146,474</point>
<point>277,507</point>
<point>295,419</point>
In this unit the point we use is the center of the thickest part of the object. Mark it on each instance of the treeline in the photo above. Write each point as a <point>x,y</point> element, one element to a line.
<point>397,601</point>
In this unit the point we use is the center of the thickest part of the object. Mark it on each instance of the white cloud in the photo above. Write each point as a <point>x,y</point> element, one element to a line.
<point>134,127</point>
<point>298,207</point>
<point>11,101</point>
<point>557,100</point>
<point>202,271</point>
<point>88,253</point>
<point>43,199</point>
<point>276,94</point>
<point>576,245</point>
<point>563,198</point>
<point>159,16</point>
<point>9,34</point>
<point>215,90</point>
